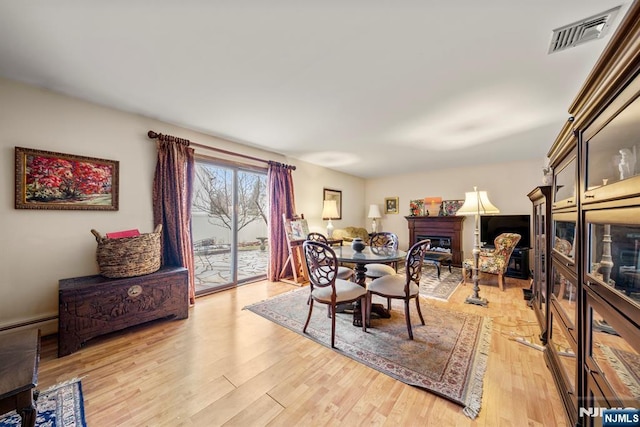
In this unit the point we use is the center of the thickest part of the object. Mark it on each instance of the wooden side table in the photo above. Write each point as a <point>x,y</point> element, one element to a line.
<point>19,359</point>
<point>437,258</point>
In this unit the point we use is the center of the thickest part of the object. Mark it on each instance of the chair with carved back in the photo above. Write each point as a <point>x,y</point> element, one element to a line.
<point>405,286</point>
<point>383,239</point>
<point>325,286</point>
<point>496,260</point>
<point>344,273</point>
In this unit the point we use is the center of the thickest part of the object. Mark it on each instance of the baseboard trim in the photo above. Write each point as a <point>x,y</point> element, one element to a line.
<point>44,323</point>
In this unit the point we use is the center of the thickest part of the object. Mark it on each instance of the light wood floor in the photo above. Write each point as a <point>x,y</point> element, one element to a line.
<point>227,366</point>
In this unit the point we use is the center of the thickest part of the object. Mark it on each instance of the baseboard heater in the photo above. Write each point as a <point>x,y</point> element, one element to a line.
<point>28,323</point>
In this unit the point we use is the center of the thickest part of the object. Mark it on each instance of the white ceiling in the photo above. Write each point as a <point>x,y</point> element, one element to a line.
<point>370,88</point>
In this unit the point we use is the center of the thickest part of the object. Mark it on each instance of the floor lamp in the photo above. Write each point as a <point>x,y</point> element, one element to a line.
<point>476,203</point>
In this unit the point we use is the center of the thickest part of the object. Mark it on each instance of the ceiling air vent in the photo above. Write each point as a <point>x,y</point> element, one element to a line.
<point>585,30</point>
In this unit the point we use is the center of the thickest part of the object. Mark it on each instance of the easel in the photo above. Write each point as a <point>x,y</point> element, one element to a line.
<point>295,230</point>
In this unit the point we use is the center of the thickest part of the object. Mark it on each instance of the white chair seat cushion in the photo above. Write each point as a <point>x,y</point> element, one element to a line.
<point>392,285</point>
<point>345,291</point>
<point>379,270</point>
<point>345,273</point>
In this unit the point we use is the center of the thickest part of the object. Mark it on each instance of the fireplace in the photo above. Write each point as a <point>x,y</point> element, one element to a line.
<point>445,233</point>
<point>438,243</point>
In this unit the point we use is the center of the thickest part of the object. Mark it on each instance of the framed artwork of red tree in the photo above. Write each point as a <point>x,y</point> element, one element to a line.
<point>48,180</point>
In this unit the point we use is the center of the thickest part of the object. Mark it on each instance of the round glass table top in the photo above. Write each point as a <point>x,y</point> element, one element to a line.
<point>368,255</point>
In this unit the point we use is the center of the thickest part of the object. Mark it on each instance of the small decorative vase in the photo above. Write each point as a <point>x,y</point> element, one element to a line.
<point>357,244</point>
<point>547,175</point>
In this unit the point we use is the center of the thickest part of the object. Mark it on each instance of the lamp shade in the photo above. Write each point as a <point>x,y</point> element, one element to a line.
<point>477,203</point>
<point>374,211</point>
<point>330,209</point>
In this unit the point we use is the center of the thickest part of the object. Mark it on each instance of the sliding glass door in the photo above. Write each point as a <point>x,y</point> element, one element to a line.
<point>229,225</point>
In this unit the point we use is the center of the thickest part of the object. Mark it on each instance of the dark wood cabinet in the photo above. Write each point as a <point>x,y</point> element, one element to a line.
<point>90,306</point>
<point>445,233</point>
<point>593,291</point>
<point>561,350</point>
<point>541,241</point>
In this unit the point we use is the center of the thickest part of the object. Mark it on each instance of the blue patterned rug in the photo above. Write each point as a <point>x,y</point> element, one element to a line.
<point>59,406</point>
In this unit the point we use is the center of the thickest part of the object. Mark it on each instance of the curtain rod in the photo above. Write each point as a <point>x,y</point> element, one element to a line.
<point>153,135</point>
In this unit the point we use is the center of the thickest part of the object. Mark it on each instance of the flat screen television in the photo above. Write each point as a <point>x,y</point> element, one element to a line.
<point>493,225</point>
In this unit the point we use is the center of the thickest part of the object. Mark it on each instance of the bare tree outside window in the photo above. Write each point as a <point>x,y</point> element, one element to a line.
<point>214,192</point>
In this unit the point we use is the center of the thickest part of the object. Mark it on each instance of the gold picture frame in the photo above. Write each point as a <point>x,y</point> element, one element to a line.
<point>391,205</point>
<point>49,180</point>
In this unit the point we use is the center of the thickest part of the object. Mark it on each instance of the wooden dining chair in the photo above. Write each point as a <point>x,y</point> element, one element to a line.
<point>344,273</point>
<point>402,286</point>
<point>325,286</point>
<point>383,239</point>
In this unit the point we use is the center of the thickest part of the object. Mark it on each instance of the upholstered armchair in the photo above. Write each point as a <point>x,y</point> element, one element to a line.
<point>494,261</point>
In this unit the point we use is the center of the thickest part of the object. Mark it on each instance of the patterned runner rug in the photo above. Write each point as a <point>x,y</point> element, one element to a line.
<point>59,406</point>
<point>448,355</point>
<point>440,289</point>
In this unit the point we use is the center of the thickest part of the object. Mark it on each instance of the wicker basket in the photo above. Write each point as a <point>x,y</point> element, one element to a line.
<point>129,256</point>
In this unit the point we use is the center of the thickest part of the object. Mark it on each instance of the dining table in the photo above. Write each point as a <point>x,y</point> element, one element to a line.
<point>369,255</point>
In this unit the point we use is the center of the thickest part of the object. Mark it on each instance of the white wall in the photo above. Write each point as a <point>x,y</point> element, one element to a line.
<point>42,246</point>
<point>309,196</point>
<point>507,185</point>
<point>39,247</point>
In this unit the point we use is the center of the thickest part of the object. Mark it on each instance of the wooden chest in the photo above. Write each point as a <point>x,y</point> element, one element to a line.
<point>90,306</point>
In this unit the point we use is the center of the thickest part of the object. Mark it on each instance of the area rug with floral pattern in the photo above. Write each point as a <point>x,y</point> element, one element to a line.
<point>448,355</point>
<point>59,406</point>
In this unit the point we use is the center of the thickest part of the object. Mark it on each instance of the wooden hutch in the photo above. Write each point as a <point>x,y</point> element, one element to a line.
<point>590,305</point>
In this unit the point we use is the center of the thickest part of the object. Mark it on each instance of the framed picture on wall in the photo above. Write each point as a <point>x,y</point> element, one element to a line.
<point>48,180</point>
<point>391,205</point>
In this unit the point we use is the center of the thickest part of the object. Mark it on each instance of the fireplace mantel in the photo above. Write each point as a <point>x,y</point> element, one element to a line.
<point>441,226</point>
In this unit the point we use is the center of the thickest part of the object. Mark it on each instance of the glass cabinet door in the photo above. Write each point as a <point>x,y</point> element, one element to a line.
<point>612,354</point>
<point>540,198</point>
<point>613,149</point>
<point>613,252</point>
<point>565,297</point>
<point>563,349</point>
<point>540,267</point>
<point>564,239</point>
<point>565,183</point>
<point>541,257</point>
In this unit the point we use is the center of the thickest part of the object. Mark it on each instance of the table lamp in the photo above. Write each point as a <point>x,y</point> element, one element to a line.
<point>374,213</point>
<point>476,203</point>
<point>330,211</point>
